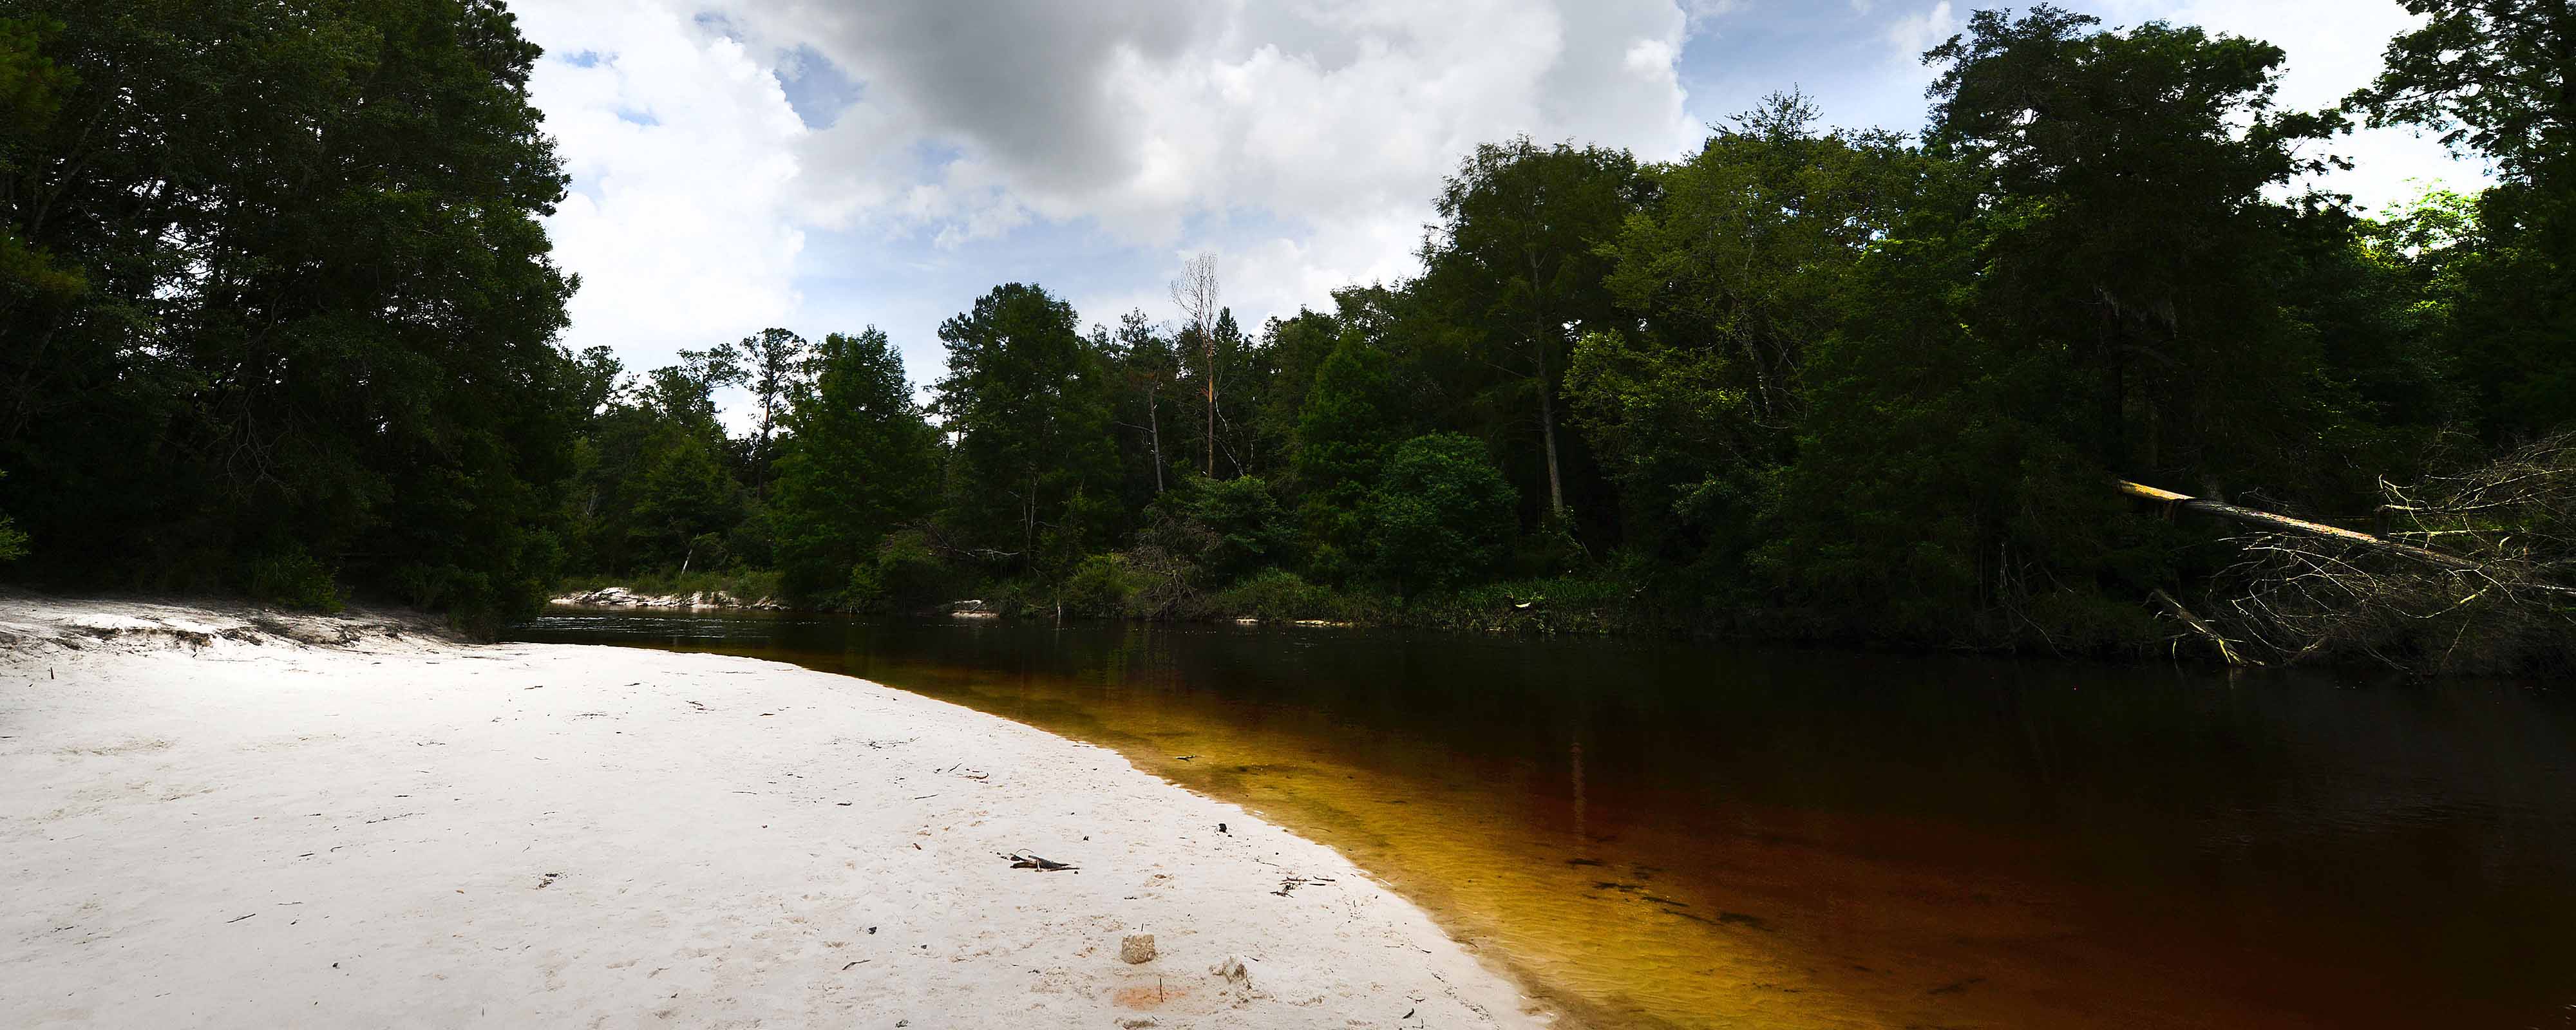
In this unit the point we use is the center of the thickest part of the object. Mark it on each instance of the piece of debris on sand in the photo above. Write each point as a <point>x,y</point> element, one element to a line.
<point>1024,860</point>
<point>1136,949</point>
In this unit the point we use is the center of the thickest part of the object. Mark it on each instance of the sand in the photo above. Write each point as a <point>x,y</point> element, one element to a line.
<point>213,817</point>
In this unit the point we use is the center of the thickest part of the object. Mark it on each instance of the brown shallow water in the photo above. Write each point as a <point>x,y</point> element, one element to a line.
<point>1663,834</point>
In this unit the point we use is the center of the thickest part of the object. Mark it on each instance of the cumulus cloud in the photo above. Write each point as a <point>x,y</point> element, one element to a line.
<point>932,148</point>
<point>1159,123</point>
<point>1912,34</point>
<point>681,146</point>
<point>1300,139</point>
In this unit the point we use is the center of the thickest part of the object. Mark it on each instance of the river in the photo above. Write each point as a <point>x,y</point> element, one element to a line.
<point>1660,833</point>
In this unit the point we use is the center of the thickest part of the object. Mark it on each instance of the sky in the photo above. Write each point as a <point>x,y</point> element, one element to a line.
<point>824,165</point>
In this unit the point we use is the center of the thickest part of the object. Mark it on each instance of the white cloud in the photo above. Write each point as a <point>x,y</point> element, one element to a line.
<point>1302,140</point>
<point>1151,121</point>
<point>1910,35</point>
<point>1092,145</point>
<point>680,144</point>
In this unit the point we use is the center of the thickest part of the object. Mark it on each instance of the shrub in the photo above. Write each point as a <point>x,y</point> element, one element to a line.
<point>1224,527</point>
<point>1278,594</point>
<point>292,578</point>
<point>1104,584</point>
<point>905,574</point>
<point>1441,513</point>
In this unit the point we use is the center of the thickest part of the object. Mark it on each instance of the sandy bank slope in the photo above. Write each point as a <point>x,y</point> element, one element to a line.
<point>198,829</point>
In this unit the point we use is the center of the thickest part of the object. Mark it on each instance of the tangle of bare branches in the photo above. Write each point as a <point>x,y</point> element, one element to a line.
<point>2510,608</point>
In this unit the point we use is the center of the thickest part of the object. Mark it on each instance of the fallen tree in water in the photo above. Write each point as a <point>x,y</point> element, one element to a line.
<point>2278,523</point>
<point>2476,575</point>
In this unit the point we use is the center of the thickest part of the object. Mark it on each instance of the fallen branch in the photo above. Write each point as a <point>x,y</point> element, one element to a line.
<point>2286,524</point>
<point>1025,860</point>
<point>2226,648</point>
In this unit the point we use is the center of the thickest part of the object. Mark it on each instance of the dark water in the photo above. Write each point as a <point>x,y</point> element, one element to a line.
<point>1668,834</point>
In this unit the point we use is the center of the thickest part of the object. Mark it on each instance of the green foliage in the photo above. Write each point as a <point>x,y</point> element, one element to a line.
<point>1518,258</point>
<point>774,366</point>
<point>289,576</point>
<point>1028,399</point>
<point>277,314</point>
<point>13,541</point>
<point>1343,433</point>
<point>1102,584</point>
<point>2491,76</point>
<point>1441,513</point>
<point>1225,527</point>
<point>683,501</point>
<point>1148,407</point>
<point>275,270</point>
<point>2120,179</point>
<point>861,461</point>
<point>1277,595</point>
<point>905,574</point>
<point>1737,267</point>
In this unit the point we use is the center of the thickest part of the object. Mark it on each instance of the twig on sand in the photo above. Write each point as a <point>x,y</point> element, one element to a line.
<point>1025,860</point>
<point>237,919</point>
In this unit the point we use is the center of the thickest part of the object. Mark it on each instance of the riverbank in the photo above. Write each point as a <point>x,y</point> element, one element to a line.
<point>221,817</point>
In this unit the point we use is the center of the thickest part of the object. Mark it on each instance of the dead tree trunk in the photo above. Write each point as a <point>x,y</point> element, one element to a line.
<point>2286,524</point>
<point>1154,429</point>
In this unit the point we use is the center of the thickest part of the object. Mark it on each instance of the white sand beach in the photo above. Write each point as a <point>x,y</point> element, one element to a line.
<point>213,817</point>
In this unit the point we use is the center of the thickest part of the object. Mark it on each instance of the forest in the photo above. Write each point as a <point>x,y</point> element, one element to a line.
<point>278,317</point>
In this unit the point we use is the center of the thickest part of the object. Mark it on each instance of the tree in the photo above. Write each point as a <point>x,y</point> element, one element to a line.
<point>1441,514</point>
<point>683,500</point>
<point>685,391</point>
<point>2090,284</point>
<point>1226,528</point>
<point>2124,174</point>
<point>1516,262</point>
<point>597,379</point>
<point>275,286</point>
<point>861,461</point>
<point>1028,400</point>
<point>1343,433</point>
<point>1195,293</point>
<point>773,366</point>
<point>2492,76</point>
<point>1736,269</point>
<point>1147,365</point>
<point>1281,370</point>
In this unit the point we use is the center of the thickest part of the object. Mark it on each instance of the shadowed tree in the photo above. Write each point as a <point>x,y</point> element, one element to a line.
<point>1515,269</point>
<point>773,367</point>
<point>2492,76</point>
<point>860,461</point>
<point>1028,400</point>
<point>274,295</point>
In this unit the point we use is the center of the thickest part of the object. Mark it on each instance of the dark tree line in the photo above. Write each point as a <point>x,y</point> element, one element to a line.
<point>275,308</point>
<point>1804,380</point>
